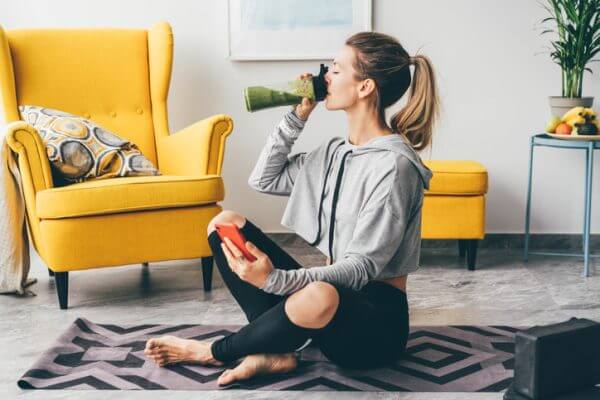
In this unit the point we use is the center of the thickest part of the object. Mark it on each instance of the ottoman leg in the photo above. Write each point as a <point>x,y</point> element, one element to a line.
<point>472,253</point>
<point>462,247</point>
<point>207,271</point>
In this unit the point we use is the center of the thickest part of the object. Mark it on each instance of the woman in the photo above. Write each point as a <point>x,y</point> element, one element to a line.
<point>358,199</point>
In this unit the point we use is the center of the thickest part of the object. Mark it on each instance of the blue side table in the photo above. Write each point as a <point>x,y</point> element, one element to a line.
<point>589,146</point>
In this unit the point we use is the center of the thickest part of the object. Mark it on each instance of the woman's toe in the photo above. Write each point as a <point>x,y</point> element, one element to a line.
<point>165,361</point>
<point>225,378</point>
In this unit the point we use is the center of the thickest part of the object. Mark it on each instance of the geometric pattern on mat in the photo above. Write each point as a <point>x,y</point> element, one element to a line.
<point>454,358</point>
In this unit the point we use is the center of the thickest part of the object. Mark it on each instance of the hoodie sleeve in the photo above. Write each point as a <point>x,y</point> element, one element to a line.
<point>378,234</point>
<point>275,170</point>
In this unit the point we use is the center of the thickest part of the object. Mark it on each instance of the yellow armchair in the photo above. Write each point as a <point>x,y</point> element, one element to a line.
<point>119,78</point>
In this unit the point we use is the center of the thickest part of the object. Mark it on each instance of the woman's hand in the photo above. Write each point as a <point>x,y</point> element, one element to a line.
<point>254,272</point>
<point>304,109</point>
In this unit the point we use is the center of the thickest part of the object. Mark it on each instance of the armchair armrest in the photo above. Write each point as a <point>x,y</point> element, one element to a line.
<point>34,165</point>
<point>196,150</point>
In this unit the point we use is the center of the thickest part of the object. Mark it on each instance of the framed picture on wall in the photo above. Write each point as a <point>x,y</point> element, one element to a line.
<point>294,29</point>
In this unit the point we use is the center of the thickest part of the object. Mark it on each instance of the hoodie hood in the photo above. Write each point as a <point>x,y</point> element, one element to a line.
<point>391,142</point>
<point>397,144</point>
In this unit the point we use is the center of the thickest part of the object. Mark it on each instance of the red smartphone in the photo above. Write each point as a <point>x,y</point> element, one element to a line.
<point>236,236</point>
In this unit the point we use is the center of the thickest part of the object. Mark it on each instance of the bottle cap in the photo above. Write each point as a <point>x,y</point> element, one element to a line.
<point>319,84</point>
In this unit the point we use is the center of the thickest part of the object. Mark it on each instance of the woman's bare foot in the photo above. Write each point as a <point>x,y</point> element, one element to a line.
<point>259,364</point>
<point>170,350</point>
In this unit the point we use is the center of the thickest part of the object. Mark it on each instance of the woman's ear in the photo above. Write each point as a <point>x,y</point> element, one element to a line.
<point>367,86</point>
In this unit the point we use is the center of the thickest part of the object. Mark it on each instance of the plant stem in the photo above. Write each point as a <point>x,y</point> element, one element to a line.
<point>578,29</point>
<point>564,81</point>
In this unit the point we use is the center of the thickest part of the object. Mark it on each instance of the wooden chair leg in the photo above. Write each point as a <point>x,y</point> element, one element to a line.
<point>472,253</point>
<point>462,247</point>
<point>61,280</point>
<point>50,272</point>
<point>207,271</point>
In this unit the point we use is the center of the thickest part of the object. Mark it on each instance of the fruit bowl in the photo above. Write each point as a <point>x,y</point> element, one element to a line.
<point>579,123</point>
<point>574,137</point>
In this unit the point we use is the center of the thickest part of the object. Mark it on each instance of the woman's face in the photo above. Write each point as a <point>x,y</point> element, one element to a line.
<point>343,90</point>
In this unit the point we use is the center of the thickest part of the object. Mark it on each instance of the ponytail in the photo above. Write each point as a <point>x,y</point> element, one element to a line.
<point>418,117</point>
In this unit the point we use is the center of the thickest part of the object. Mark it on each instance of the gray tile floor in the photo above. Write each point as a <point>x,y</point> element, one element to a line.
<point>503,290</point>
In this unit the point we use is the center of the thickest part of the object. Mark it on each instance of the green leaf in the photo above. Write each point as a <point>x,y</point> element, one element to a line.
<point>578,27</point>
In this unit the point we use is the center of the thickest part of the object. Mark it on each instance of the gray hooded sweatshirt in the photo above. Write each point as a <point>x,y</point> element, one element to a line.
<point>359,205</point>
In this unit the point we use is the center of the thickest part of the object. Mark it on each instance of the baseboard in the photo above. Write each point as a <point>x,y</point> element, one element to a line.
<point>491,241</point>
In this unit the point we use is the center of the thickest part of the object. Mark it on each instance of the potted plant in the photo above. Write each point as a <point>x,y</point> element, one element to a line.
<point>578,27</point>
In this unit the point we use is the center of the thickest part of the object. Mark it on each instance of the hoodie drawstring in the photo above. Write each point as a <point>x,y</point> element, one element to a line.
<point>314,242</point>
<point>334,204</point>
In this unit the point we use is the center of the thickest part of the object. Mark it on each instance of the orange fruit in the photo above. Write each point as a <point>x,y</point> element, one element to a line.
<point>563,129</point>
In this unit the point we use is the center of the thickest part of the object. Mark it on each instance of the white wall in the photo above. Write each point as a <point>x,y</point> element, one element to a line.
<point>494,75</point>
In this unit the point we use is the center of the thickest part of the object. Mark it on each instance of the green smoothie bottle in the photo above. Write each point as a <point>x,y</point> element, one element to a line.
<point>286,93</point>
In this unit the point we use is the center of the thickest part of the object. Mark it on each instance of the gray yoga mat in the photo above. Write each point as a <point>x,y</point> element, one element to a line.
<point>453,358</point>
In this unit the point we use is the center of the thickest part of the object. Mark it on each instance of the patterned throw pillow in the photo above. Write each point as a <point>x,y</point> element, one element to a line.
<point>82,150</point>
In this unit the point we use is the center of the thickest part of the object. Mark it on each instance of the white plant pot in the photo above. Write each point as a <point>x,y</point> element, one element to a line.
<point>560,105</point>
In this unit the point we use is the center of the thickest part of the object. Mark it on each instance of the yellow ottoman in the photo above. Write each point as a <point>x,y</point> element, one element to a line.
<point>454,205</point>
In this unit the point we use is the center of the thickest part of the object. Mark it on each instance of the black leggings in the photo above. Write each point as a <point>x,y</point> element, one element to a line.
<point>368,329</point>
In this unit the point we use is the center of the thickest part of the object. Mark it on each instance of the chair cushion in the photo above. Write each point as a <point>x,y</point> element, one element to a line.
<point>83,150</point>
<point>127,194</point>
<point>457,177</point>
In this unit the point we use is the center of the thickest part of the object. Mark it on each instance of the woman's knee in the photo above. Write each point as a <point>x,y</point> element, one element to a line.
<point>226,217</point>
<point>313,306</point>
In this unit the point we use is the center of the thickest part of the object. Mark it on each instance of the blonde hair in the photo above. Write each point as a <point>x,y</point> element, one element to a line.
<point>382,58</point>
